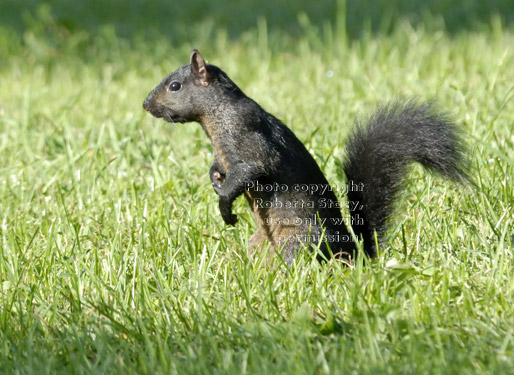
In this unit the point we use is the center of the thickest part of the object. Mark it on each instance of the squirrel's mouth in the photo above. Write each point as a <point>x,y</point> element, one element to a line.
<point>164,113</point>
<point>172,117</point>
<point>168,117</point>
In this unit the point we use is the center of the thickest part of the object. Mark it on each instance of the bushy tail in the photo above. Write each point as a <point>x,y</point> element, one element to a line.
<point>379,152</point>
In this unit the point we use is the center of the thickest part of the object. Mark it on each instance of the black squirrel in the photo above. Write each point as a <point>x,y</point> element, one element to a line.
<point>255,154</point>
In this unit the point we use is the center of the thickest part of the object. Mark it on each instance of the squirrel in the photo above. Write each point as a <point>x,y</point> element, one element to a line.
<point>257,155</point>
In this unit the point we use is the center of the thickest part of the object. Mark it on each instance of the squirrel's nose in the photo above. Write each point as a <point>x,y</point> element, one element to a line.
<point>146,104</point>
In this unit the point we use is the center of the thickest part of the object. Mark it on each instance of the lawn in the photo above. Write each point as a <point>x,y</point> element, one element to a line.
<point>114,258</point>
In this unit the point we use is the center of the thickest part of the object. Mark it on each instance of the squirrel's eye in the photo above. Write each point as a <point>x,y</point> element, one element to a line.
<point>175,86</point>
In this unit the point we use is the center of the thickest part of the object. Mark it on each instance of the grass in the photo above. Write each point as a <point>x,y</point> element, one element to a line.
<point>114,258</point>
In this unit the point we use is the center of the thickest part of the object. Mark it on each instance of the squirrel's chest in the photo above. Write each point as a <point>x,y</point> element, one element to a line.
<point>221,155</point>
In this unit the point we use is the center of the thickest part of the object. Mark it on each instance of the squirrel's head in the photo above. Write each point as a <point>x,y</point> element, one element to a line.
<point>187,93</point>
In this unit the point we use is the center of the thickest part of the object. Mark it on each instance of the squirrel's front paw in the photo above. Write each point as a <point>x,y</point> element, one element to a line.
<point>217,181</point>
<point>226,212</point>
<point>231,219</point>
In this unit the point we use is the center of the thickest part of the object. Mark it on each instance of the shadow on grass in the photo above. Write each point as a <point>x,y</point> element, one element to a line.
<point>179,21</point>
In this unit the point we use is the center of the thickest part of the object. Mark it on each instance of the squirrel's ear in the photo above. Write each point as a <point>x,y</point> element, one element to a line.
<point>199,68</point>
